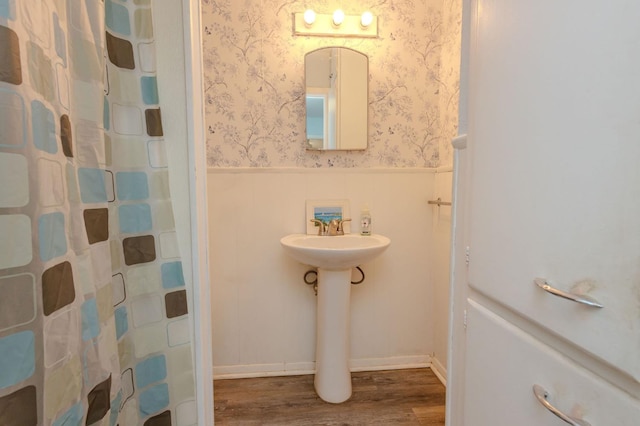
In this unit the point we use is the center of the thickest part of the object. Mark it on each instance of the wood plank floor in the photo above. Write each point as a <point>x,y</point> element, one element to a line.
<point>394,397</point>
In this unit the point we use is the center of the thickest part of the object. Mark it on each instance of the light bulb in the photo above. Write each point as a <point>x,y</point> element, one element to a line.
<point>338,17</point>
<point>366,19</point>
<point>309,16</point>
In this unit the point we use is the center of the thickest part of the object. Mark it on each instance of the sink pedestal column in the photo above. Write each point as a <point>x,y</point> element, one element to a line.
<point>333,377</point>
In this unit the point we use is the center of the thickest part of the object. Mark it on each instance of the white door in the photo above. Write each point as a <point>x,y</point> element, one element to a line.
<point>553,168</point>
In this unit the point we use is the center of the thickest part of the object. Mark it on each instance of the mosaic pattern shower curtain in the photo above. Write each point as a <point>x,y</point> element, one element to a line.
<point>94,324</point>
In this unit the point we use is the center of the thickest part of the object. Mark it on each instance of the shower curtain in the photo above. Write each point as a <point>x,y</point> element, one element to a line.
<point>94,321</point>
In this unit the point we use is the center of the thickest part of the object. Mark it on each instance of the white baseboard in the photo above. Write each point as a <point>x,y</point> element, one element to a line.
<point>300,368</point>
<point>439,370</point>
<point>390,363</point>
<point>263,370</point>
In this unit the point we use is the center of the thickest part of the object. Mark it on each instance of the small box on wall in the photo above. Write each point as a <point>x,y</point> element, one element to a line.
<point>326,210</point>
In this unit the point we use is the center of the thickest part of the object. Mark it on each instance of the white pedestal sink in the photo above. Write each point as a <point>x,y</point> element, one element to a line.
<point>334,257</point>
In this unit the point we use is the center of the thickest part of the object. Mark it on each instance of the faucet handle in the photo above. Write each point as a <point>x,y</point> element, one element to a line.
<point>341,226</point>
<point>321,226</point>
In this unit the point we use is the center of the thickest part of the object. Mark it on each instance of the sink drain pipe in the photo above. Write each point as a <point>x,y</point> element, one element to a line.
<point>314,281</point>
<point>361,273</point>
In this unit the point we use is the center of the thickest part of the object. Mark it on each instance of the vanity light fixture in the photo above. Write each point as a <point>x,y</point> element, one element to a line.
<point>337,24</point>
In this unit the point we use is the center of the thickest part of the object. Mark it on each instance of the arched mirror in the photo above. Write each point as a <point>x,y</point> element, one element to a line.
<point>337,88</point>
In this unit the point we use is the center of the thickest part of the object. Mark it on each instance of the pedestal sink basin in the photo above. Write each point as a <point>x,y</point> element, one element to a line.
<point>334,257</point>
<point>334,253</point>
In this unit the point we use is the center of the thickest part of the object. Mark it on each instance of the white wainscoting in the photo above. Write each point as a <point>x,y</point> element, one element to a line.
<point>263,313</point>
<point>441,264</point>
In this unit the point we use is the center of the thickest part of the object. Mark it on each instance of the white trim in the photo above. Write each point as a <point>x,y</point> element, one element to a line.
<point>263,370</point>
<point>439,370</point>
<point>302,368</point>
<point>454,404</point>
<point>315,170</point>
<point>196,138</point>
<point>391,363</point>
<point>182,100</point>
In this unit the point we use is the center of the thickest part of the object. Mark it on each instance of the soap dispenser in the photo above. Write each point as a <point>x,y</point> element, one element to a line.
<point>365,221</point>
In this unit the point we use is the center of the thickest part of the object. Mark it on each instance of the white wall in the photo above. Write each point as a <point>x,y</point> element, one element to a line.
<point>264,314</point>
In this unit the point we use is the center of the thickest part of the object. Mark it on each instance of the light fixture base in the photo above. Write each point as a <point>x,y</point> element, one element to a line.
<point>324,26</point>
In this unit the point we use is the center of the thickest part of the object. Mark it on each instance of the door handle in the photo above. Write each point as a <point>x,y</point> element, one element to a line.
<point>542,395</point>
<point>578,298</point>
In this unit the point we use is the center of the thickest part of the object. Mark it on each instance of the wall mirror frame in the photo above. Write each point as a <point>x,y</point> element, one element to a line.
<point>337,99</point>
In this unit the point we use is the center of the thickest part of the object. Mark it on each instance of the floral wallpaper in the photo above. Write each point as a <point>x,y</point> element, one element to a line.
<point>450,77</point>
<point>254,83</point>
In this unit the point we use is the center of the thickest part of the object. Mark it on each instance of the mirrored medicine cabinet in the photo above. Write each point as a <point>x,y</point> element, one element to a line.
<point>337,87</point>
